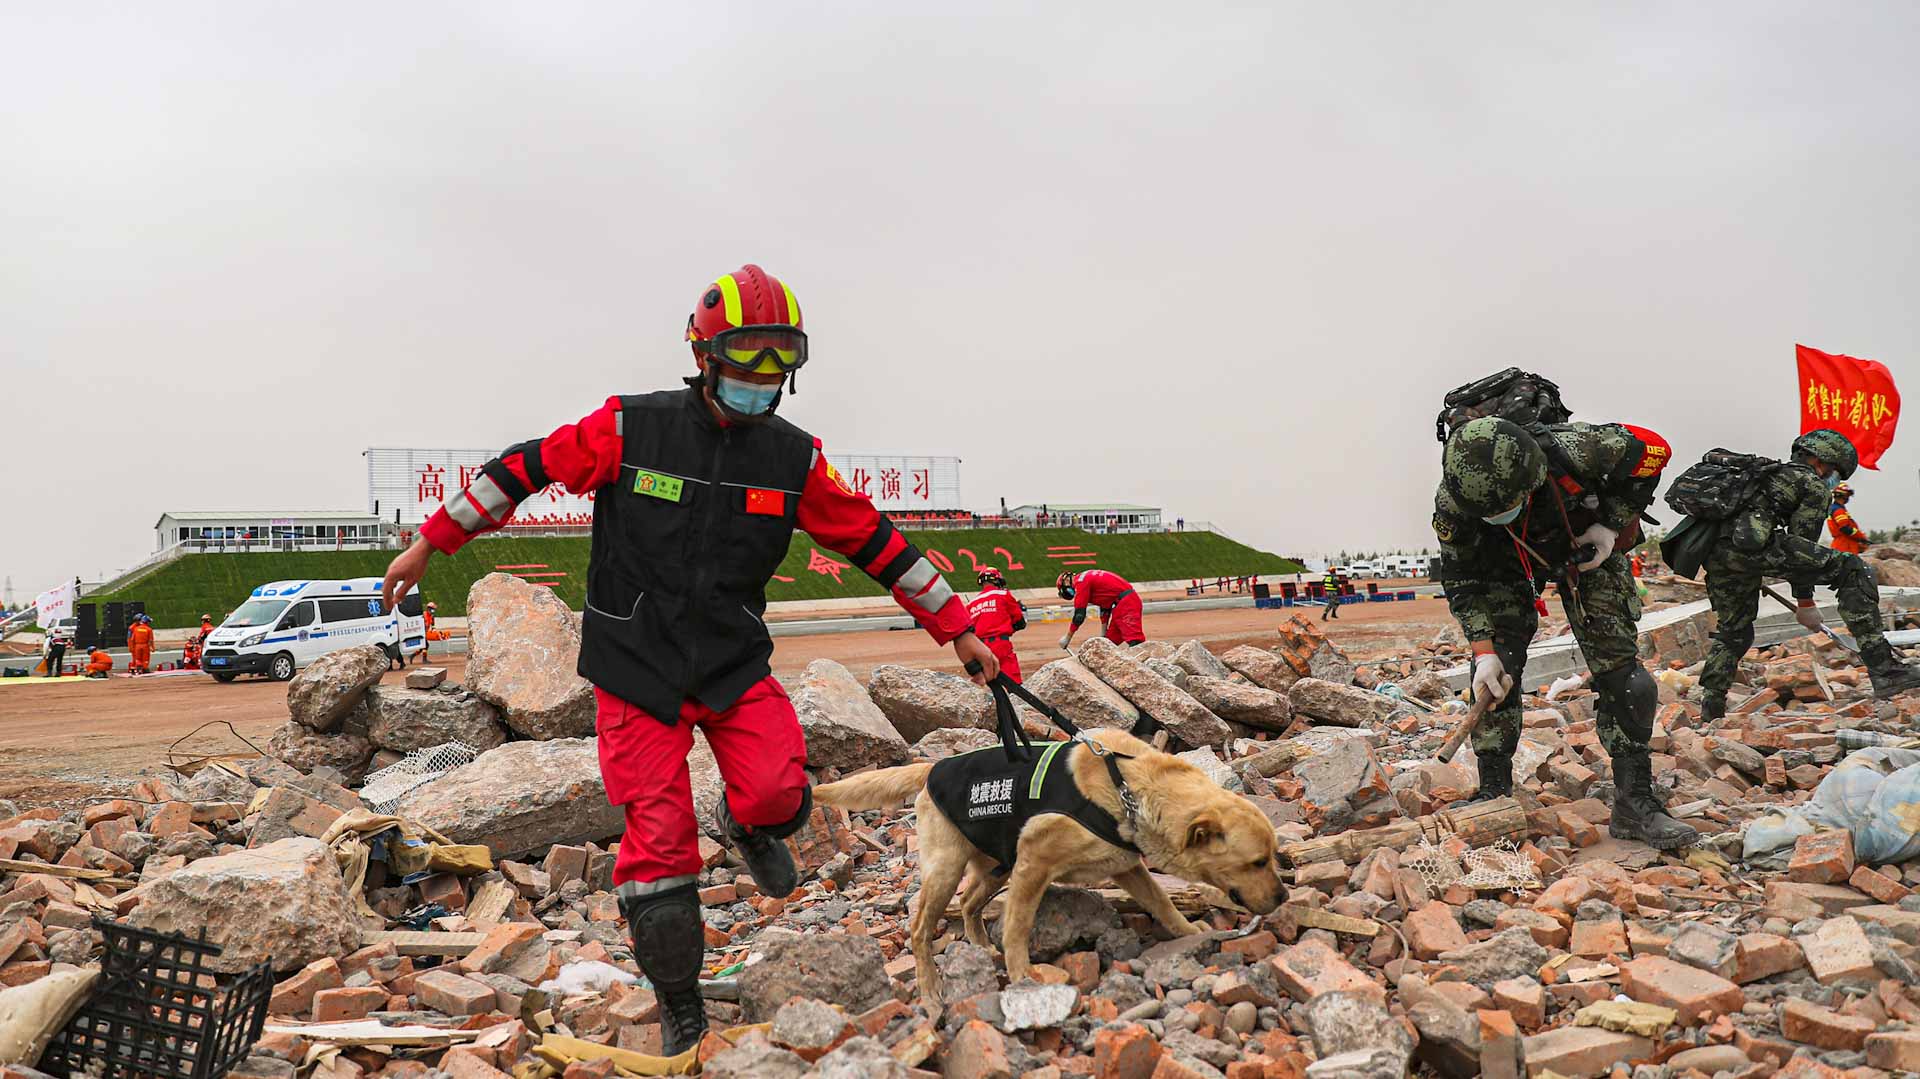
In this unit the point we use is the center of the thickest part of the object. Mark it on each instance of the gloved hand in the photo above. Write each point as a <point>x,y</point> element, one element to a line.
<point>1809,617</point>
<point>1491,682</point>
<point>1065,641</point>
<point>1603,539</point>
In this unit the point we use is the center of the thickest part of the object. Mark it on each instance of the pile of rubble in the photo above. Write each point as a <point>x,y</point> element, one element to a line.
<point>472,930</point>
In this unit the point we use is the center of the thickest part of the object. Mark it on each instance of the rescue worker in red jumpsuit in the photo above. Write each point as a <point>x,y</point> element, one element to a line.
<point>697,493</point>
<point>1119,605</point>
<point>997,616</point>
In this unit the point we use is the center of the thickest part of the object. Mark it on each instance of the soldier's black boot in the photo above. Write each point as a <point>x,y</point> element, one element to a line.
<point>1713,708</point>
<point>1637,814</point>
<point>1496,778</point>
<point>1891,677</point>
<point>764,848</point>
<point>669,943</point>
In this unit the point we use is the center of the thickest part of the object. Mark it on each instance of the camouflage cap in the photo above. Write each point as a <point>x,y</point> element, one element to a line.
<point>1829,447</point>
<point>1490,464</point>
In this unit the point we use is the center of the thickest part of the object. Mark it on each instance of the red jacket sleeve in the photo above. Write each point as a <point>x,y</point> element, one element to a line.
<point>582,456</point>
<point>848,524</point>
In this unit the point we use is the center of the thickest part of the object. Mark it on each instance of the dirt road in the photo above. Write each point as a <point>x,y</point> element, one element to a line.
<point>65,742</point>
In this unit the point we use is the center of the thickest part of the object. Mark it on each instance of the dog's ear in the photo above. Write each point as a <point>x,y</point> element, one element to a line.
<point>1204,830</point>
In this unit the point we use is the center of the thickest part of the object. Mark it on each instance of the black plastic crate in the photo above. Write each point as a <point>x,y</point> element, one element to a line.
<point>158,1011</point>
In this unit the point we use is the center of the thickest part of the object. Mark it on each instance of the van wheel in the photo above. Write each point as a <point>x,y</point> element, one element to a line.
<point>281,669</point>
<point>224,677</point>
<point>393,655</point>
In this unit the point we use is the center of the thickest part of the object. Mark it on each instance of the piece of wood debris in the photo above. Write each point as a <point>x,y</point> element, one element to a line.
<point>444,945</point>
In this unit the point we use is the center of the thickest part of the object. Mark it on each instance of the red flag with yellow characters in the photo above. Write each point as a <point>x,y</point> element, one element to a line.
<point>1854,397</point>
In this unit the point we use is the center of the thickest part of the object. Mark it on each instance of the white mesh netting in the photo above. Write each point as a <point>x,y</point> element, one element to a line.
<point>384,789</point>
<point>1497,868</point>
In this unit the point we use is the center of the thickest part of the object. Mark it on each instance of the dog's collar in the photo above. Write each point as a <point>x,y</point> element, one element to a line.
<point>1129,804</point>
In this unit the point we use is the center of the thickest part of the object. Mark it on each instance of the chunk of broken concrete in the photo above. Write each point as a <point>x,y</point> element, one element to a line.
<point>284,903</point>
<point>520,798</point>
<point>842,725</point>
<point>523,649</point>
<point>320,696</point>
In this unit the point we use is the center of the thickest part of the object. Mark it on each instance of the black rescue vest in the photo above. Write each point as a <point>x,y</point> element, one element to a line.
<point>990,796</point>
<point>684,541</point>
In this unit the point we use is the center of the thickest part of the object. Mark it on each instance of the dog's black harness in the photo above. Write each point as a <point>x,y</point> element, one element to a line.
<point>990,794</point>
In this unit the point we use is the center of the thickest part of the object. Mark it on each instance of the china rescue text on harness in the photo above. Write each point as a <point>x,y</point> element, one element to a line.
<point>684,541</point>
<point>990,794</point>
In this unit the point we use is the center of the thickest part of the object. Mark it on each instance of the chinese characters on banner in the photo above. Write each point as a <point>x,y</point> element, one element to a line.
<point>55,604</point>
<point>417,481</point>
<point>902,484</point>
<point>1855,397</point>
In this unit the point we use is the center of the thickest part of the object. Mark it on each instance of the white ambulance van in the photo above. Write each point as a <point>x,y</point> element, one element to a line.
<point>285,625</point>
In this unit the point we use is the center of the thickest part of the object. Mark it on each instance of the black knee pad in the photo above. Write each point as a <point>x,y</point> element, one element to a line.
<point>1632,698</point>
<point>782,831</point>
<point>669,939</point>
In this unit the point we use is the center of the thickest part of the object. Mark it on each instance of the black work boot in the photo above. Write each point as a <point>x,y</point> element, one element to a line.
<point>1637,814</point>
<point>1712,708</point>
<point>1891,677</point>
<point>764,848</point>
<point>1496,778</point>
<point>669,943</point>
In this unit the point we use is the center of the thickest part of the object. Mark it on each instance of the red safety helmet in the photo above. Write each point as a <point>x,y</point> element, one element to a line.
<point>1064,585</point>
<point>990,576</point>
<point>749,299</point>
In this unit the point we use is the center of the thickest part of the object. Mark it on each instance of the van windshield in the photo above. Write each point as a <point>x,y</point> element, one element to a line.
<point>257,612</point>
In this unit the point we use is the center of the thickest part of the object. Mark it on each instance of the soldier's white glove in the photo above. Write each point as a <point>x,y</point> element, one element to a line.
<point>1603,539</point>
<point>1491,682</point>
<point>1065,641</point>
<point>1809,616</point>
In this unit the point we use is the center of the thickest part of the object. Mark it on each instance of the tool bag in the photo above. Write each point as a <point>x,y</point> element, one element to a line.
<point>1521,396</point>
<point>1686,546</point>
<point>1719,484</point>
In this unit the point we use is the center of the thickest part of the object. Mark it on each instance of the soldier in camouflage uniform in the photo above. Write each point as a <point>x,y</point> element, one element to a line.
<point>1776,533</point>
<point>1572,493</point>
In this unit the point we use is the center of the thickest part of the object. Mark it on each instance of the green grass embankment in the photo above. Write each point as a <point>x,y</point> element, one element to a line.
<point>179,592</point>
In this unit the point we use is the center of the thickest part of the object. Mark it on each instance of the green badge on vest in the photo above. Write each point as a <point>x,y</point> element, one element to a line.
<point>656,485</point>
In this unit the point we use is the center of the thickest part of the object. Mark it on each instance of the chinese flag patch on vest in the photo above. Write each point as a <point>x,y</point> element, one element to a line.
<point>1654,458</point>
<point>768,503</point>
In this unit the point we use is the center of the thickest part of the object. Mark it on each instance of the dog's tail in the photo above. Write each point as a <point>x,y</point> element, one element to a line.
<point>883,789</point>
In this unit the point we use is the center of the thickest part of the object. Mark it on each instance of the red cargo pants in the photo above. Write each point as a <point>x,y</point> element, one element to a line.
<point>762,757</point>
<point>1124,624</point>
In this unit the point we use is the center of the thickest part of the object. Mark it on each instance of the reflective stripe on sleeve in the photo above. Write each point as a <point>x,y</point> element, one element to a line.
<point>463,513</point>
<point>493,501</point>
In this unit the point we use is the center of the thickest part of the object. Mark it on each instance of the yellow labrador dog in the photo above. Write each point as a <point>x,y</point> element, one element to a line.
<point>1167,811</point>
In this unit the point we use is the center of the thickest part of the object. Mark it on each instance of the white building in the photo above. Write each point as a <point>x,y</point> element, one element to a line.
<point>272,530</point>
<point>1092,516</point>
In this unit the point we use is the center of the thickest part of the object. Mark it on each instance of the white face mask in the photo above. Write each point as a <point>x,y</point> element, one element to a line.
<point>1506,518</point>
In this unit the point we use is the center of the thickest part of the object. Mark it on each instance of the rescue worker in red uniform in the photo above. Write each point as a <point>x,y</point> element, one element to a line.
<point>1847,535</point>
<point>1119,605</point>
<point>997,616</point>
<point>697,493</point>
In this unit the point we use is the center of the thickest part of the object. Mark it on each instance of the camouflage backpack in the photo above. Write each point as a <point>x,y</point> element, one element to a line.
<point>1521,396</point>
<point>1718,486</point>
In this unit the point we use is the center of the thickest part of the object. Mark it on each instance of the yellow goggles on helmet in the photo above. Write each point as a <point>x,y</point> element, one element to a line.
<point>766,350</point>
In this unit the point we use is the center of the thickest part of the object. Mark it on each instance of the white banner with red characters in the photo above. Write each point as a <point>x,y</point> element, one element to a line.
<point>901,484</point>
<point>416,481</point>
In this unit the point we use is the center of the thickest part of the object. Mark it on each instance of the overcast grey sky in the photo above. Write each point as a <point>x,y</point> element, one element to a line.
<point>1221,258</point>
